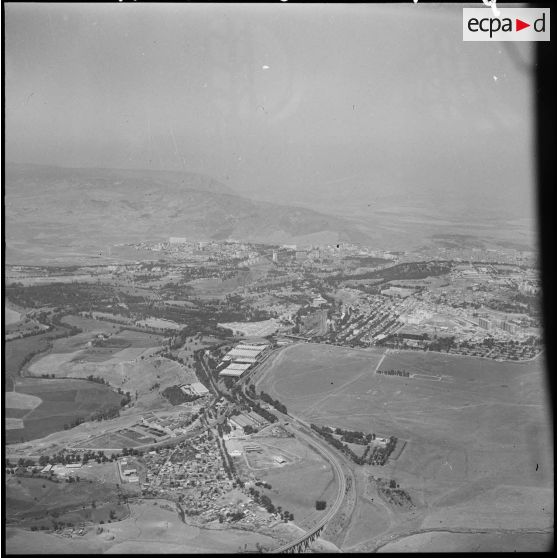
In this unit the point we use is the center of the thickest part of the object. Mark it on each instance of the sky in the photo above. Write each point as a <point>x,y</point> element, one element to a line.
<point>337,104</point>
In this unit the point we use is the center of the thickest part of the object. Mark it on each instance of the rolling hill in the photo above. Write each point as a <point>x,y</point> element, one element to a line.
<point>63,211</point>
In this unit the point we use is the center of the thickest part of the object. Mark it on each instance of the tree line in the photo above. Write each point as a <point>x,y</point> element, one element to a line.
<point>373,455</point>
<point>397,372</point>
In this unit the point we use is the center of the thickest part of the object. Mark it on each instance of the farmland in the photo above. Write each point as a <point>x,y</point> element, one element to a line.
<point>39,502</point>
<point>19,351</point>
<point>478,452</point>
<point>147,376</point>
<point>154,527</point>
<point>11,316</point>
<point>62,402</point>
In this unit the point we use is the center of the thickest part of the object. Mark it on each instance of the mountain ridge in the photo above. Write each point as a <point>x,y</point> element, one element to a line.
<point>53,207</point>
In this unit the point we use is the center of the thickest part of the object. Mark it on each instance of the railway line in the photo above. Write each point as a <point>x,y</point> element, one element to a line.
<point>304,541</point>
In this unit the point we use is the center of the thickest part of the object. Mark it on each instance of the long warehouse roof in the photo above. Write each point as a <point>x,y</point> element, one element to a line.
<point>235,373</point>
<point>238,366</point>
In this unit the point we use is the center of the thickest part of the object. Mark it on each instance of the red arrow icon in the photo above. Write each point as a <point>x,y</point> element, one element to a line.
<point>519,25</point>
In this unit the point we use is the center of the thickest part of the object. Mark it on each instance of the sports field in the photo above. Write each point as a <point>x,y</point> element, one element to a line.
<point>479,445</point>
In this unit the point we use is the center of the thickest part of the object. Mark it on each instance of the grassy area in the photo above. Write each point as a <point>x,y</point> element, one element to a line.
<point>17,352</point>
<point>479,449</point>
<point>35,502</point>
<point>63,401</point>
<point>305,372</point>
<point>296,485</point>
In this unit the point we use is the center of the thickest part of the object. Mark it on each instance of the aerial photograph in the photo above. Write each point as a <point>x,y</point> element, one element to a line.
<point>272,282</point>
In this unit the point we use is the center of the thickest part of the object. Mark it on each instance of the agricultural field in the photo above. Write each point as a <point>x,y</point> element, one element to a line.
<point>146,376</point>
<point>159,323</point>
<point>478,452</point>
<point>11,316</point>
<point>17,353</point>
<point>38,502</point>
<point>153,527</point>
<point>61,403</point>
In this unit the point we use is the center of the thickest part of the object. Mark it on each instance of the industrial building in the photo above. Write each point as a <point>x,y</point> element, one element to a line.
<point>235,370</point>
<point>195,388</point>
<point>241,358</point>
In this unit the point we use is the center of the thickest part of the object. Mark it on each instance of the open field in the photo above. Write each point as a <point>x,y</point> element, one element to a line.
<point>17,351</point>
<point>49,363</point>
<point>39,502</point>
<point>295,485</point>
<point>11,316</point>
<point>15,400</point>
<point>308,374</point>
<point>139,338</point>
<point>113,355</point>
<point>253,329</point>
<point>479,447</point>
<point>117,440</point>
<point>88,325</point>
<point>13,423</point>
<point>154,527</point>
<point>62,403</point>
<point>120,371</point>
<point>436,541</point>
<point>159,323</point>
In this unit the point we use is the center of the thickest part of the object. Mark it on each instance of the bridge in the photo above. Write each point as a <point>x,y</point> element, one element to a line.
<point>302,543</point>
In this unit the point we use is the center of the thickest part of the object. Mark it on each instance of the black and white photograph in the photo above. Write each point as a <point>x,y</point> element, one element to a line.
<point>275,278</point>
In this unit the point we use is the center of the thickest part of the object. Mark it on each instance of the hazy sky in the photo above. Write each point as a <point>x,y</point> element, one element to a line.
<point>300,99</point>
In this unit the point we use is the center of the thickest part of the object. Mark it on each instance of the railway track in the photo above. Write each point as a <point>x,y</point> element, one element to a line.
<point>340,493</point>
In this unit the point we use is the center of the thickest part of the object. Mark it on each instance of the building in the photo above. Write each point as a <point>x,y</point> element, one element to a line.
<point>484,323</point>
<point>397,292</point>
<point>195,388</point>
<point>234,370</point>
<point>509,327</point>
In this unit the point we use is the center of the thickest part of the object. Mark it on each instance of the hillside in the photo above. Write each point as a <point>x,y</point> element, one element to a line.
<point>61,211</point>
